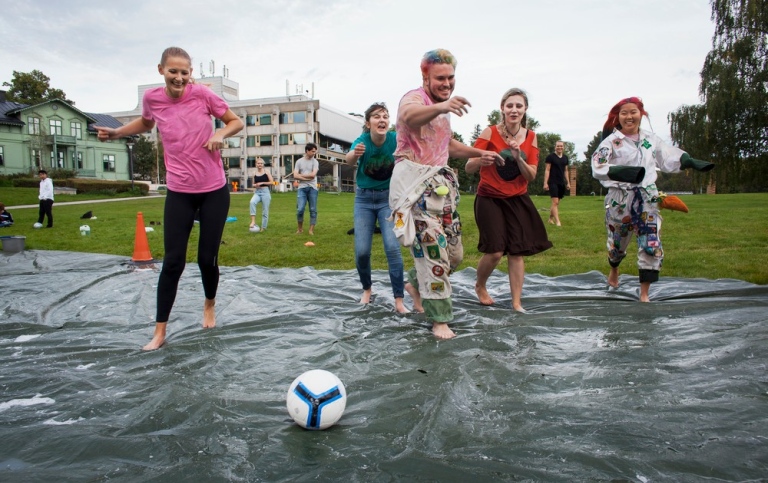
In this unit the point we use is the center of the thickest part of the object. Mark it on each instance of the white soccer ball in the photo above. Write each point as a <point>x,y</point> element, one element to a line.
<point>316,399</point>
<point>38,225</point>
<point>254,229</point>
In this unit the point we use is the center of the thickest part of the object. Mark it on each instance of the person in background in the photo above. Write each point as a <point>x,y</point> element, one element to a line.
<point>506,218</point>
<point>262,183</point>
<point>556,180</point>
<point>46,199</point>
<point>424,190</point>
<point>305,173</point>
<point>5,217</point>
<point>625,162</point>
<point>195,178</point>
<point>373,151</point>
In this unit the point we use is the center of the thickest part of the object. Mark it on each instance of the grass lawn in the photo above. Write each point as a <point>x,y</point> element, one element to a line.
<point>723,236</point>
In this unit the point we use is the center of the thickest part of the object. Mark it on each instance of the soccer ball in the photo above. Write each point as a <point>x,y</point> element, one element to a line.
<point>316,399</point>
<point>254,229</point>
<point>38,225</point>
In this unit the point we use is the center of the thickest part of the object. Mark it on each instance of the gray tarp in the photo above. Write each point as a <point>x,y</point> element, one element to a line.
<point>588,385</point>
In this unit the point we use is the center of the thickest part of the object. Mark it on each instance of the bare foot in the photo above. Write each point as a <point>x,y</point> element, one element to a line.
<point>551,221</point>
<point>558,224</point>
<point>416,296</point>
<point>400,307</point>
<point>482,296</point>
<point>442,331</point>
<point>519,308</point>
<point>366,298</point>
<point>644,288</point>
<point>312,230</point>
<point>645,298</point>
<point>613,278</point>
<point>158,338</point>
<point>209,314</point>
<point>299,231</point>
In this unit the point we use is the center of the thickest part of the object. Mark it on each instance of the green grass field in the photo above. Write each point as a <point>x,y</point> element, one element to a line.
<point>723,236</point>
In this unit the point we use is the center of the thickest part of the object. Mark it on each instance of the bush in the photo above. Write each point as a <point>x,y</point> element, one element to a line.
<point>83,185</point>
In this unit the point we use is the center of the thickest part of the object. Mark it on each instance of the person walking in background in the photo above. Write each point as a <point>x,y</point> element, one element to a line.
<point>262,183</point>
<point>625,162</point>
<point>6,219</point>
<point>424,190</point>
<point>556,180</point>
<point>305,172</point>
<point>195,178</point>
<point>373,151</point>
<point>46,199</point>
<point>506,218</point>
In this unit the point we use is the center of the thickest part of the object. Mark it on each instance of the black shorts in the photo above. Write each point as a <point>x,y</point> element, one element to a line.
<point>556,191</point>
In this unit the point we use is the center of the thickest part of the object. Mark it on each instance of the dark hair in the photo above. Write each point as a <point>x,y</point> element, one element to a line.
<point>376,106</point>
<point>309,147</point>
<point>174,52</point>
<point>2,207</point>
<point>42,171</point>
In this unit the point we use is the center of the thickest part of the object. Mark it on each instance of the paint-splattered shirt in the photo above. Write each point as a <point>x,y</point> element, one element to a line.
<point>427,144</point>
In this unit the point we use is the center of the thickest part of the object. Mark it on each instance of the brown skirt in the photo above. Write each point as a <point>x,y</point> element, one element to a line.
<point>512,226</point>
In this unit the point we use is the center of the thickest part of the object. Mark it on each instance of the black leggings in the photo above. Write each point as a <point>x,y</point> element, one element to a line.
<point>178,219</point>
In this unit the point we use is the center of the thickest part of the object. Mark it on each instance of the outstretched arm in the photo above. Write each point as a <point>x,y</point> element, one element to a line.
<point>137,126</point>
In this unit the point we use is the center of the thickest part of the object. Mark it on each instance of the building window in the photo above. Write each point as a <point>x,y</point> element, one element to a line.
<point>299,117</point>
<point>300,138</point>
<point>285,118</point>
<point>109,162</point>
<point>55,126</point>
<point>250,141</point>
<point>265,140</point>
<point>288,163</point>
<point>250,120</point>
<point>33,124</point>
<point>57,160</point>
<point>76,130</point>
<point>251,161</point>
<point>218,123</point>
<point>77,159</point>
<point>265,119</point>
<point>233,142</point>
<point>2,156</point>
<point>284,139</point>
<point>267,160</point>
<point>36,157</point>
<point>233,162</point>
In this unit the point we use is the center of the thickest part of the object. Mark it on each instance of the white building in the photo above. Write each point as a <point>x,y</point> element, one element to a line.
<point>276,130</point>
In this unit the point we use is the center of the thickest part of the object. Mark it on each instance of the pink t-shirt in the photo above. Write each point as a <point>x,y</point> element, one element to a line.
<point>429,143</point>
<point>185,125</point>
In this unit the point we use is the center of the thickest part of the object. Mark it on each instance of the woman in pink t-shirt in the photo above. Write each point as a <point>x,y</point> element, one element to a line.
<point>195,177</point>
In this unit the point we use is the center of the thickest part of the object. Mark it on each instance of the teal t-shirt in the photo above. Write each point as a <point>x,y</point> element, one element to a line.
<point>374,168</point>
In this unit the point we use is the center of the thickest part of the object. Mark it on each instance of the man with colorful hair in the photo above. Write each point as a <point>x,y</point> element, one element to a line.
<point>424,190</point>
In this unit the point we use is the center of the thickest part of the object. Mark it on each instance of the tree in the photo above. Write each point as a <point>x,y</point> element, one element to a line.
<point>144,158</point>
<point>585,183</point>
<point>467,182</point>
<point>732,122</point>
<point>32,88</point>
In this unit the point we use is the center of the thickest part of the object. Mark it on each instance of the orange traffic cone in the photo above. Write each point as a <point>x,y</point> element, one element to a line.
<point>141,245</point>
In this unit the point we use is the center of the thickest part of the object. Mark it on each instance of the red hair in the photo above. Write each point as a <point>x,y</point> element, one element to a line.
<point>613,115</point>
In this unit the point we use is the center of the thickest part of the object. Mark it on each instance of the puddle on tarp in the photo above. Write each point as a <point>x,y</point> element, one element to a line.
<point>588,385</point>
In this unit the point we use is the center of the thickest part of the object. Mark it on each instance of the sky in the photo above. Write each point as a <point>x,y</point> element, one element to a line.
<point>574,58</point>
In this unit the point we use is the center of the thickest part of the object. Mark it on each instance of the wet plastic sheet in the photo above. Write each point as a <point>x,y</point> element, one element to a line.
<point>589,385</point>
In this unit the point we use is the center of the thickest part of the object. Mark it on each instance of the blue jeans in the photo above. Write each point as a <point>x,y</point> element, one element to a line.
<point>261,195</point>
<point>372,205</point>
<point>302,195</point>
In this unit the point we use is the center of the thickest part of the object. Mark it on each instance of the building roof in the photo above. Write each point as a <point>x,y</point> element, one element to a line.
<point>6,107</point>
<point>10,114</point>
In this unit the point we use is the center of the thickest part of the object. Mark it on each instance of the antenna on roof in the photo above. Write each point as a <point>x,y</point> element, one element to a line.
<point>212,67</point>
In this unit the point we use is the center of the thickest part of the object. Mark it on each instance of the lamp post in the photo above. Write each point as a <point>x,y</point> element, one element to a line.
<point>130,144</point>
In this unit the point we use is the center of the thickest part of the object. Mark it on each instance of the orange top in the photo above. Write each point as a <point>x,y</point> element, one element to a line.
<point>491,184</point>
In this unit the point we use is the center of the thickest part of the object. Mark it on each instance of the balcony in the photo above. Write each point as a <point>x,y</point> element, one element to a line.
<point>62,140</point>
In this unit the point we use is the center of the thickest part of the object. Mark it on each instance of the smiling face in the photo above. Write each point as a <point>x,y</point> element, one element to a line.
<point>177,71</point>
<point>378,122</point>
<point>559,148</point>
<point>629,118</point>
<point>440,81</point>
<point>513,109</point>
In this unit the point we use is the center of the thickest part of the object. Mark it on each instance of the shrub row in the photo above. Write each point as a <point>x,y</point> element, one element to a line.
<point>83,185</point>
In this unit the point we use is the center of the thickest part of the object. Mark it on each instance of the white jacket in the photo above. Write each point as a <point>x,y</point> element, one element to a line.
<point>405,189</point>
<point>651,153</point>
